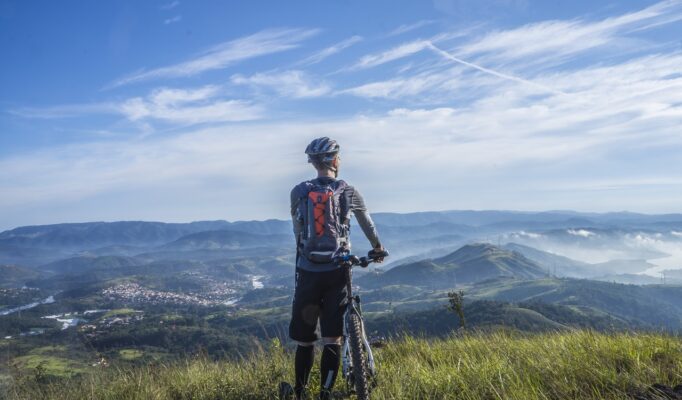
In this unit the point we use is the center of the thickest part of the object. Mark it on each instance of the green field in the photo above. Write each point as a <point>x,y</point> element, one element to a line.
<point>501,365</point>
<point>130,354</point>
<point>120,312</point>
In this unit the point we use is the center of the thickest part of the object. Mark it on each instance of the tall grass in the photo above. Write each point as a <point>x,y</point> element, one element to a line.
<point>502,365</point>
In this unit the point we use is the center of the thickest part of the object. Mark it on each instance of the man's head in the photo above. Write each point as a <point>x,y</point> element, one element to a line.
<point>323,153</point>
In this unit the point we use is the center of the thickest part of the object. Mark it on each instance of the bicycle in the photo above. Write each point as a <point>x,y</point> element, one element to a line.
<point>358,366</point>
<point>357,363</point>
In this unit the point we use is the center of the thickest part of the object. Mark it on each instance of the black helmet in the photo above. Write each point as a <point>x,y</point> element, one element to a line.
<point>322,150</point>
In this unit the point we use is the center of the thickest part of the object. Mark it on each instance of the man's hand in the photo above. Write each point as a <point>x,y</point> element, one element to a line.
<point>378,254</point>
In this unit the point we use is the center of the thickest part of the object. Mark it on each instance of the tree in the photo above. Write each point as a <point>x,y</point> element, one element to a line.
<point>456,305</point>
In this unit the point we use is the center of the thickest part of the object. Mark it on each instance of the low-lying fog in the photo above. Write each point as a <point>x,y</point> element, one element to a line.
<point>662,250</point>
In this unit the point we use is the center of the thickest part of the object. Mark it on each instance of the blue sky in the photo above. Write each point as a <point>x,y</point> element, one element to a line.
<point>180,111</point>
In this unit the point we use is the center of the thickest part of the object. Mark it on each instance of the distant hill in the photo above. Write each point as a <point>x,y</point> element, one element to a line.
<point>228,240</point>
<point>630,279</point>
<point>556,264</point>
<point>483,314</point>
<point>653,305</point>
<point>673,275</point>
<point>470,263</point>
<point>519,219</point>
<point>15,276</point>
<point>623,266</point>
<point>92,235</point>
<point>29,256</point>
<point>82,264</point>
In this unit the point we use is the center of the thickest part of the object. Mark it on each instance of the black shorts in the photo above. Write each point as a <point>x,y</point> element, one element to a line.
<point>318,295</point>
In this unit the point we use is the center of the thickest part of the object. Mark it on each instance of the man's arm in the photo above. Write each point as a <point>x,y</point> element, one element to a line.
<point>357,204</point>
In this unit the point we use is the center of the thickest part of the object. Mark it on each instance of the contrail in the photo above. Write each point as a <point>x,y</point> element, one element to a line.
<point>449,56</point>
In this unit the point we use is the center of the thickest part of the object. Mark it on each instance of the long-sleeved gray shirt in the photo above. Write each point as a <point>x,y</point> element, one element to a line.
<point>356,204</point>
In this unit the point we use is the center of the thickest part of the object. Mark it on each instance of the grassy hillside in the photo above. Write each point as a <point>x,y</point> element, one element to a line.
<point>570,365</point>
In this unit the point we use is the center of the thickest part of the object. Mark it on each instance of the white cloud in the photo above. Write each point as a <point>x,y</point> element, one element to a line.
<point>395,53</point>
<point>189,106</point>
<point>331,50</point>
<point>409,27</point>
<point>400,88</point>
<point>480,131</point>
<point>448,157</point>
<point>227,53</point>
<point>170,6</point>
<point>172,20</point>
<point>555,40</point>
<point>296,84</point>
<point>184,106</point>
<point>580,232</point>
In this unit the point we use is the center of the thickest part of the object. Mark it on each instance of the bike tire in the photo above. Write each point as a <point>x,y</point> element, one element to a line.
<point>360,370</point>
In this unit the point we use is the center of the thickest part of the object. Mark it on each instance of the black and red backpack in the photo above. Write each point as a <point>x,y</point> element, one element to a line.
<point>323,211</point>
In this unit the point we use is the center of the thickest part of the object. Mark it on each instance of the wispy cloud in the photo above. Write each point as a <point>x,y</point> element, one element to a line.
<point>170,6</point>
<point>169,21</point>
<point>331,50</point>
<point>227,53</point>
<point>64,111</point>
<point>296,84</point>
<point>189,106</point>
<point>520,55</point>
<point>504,113</point>
<point>395,53</point>
<point>409,27</point>
<point>405,87</point>
<point>183,106</point>
<point>490,71</point>
<point>556,40</point>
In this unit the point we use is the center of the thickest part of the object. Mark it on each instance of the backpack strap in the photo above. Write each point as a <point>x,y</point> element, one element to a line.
<point>344,205</point>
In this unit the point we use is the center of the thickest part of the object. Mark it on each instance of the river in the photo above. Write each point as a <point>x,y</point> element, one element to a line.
<point>48,300</point>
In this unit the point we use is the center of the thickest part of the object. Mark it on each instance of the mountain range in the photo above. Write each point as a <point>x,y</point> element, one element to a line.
<point>471,263</point>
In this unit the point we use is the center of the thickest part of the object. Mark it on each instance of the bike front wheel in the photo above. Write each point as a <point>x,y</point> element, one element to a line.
<point>358,356</point>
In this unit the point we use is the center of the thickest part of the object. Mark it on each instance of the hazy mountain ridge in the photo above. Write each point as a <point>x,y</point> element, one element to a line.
<point>470,263</point>
<point>14,275</point>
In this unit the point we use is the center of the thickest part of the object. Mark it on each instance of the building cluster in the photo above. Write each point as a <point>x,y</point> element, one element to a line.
<point>134,293</point>
<point>91,330</point>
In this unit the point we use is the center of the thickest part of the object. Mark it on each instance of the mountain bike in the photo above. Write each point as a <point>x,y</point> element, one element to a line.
<point>357,365</point>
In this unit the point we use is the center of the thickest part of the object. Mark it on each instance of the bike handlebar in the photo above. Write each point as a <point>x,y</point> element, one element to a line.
<point>352,260</point>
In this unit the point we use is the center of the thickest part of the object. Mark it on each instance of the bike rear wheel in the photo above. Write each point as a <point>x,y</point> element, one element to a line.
<point>358,356</point>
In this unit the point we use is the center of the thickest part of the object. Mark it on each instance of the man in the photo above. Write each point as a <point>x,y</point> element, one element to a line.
<point>320,210</point>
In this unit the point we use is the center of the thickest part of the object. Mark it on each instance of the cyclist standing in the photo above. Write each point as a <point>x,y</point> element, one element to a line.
<point>320,209</point>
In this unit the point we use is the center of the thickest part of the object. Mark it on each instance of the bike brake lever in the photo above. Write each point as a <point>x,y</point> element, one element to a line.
<point>364,262</point>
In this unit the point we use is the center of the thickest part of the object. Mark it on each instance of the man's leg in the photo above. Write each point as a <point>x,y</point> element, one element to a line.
<point>331,328</point>
<point>304,315</point>
<point>303,364</point>
<point>329,365</point>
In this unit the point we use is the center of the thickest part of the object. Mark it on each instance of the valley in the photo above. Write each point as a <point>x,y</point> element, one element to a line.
<point>80,297</point>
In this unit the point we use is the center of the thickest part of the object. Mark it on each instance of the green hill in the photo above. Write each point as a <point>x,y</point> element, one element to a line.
<point>558,265</point>
<point>569,365</point>
<point>470,263</point>
<point>487,315</point>
<point>227,240</point>
<point>654,305</point>
<point>82,264</point>
<point>14,275</point>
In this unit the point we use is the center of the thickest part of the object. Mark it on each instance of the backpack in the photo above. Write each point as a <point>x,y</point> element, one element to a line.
<point>325,217</point>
